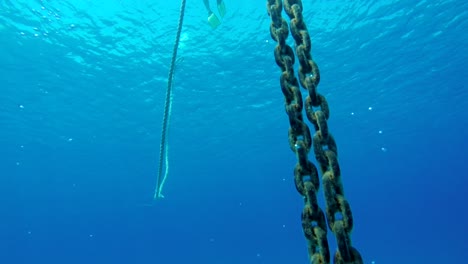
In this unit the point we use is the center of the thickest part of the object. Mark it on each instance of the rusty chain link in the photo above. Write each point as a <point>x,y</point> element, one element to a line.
<point>338,210</point>
<point>305,173</point>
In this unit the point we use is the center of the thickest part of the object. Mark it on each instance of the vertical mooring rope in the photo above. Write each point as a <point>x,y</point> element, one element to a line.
<point>163,149</point>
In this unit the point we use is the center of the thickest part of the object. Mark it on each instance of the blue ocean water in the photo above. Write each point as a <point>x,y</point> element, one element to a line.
<point>82,97</point>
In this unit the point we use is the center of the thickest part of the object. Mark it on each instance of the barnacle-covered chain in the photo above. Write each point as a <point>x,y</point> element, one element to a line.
<point>305,173</point>
<point>338,210</point>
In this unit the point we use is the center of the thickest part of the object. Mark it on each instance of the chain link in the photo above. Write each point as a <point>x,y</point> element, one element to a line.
<point>338,210</point>
<point>305,173</point>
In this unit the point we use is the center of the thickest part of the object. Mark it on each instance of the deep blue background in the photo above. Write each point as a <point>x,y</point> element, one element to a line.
<point>82,91</point>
